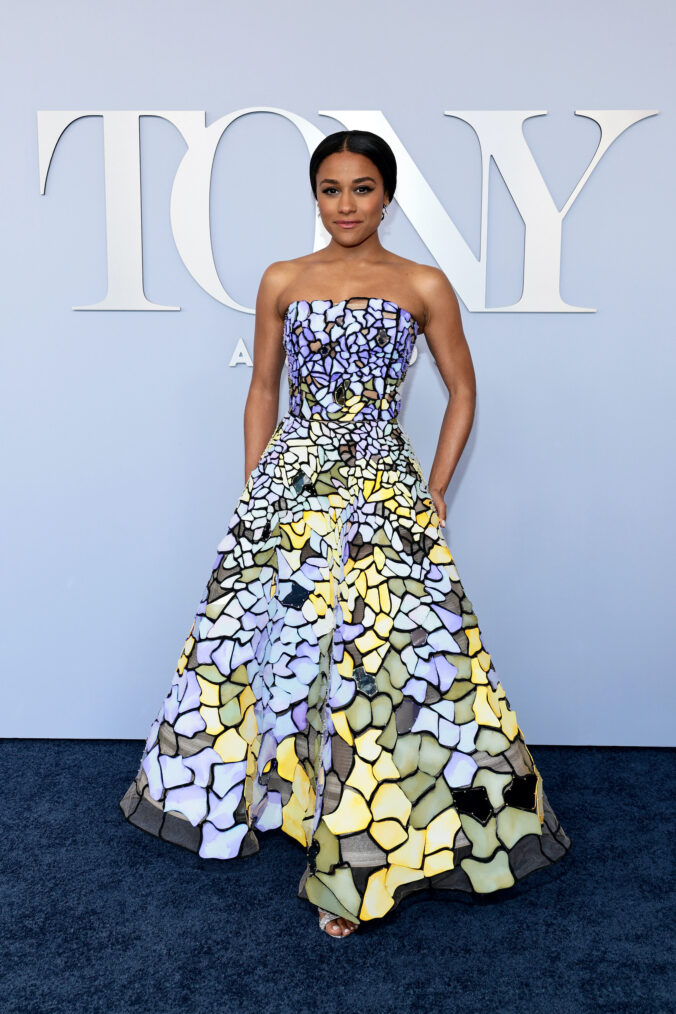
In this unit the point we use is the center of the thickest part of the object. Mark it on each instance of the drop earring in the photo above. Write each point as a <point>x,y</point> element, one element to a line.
<point>385,207</point>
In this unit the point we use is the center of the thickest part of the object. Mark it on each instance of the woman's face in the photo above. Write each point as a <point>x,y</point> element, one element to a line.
<point>350,190</point>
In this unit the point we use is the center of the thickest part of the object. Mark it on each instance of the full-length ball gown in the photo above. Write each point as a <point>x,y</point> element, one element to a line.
<point>334,682</point>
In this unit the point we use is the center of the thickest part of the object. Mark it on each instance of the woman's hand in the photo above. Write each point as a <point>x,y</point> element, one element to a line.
<point>439,504</point>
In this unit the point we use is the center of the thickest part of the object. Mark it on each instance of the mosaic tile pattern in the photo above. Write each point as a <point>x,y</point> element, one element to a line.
<point>335,682</point>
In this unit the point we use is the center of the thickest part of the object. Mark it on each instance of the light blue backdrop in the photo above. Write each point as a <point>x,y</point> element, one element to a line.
<point>123,452</point>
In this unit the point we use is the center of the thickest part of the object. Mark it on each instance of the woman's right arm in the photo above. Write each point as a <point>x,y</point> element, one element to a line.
<point>262,403</point>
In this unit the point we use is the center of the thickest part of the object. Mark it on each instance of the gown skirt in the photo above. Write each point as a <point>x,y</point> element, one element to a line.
<point>334,682</point>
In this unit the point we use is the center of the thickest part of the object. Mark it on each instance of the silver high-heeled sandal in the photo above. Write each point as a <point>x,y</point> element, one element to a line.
<point>328,917</point>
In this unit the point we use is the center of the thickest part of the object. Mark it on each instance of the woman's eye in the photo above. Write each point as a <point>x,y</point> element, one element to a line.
<point>362,187</point>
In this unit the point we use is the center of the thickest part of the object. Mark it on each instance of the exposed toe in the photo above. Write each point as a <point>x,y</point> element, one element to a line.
<point>335,926</point>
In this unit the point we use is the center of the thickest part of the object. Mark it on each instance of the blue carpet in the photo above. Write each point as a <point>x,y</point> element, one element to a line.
<point>96,915</point>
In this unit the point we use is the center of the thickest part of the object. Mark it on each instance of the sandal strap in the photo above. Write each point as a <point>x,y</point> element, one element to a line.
<point>326,918</point>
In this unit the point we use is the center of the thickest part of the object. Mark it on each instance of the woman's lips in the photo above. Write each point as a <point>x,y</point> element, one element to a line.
<point>347,225</point>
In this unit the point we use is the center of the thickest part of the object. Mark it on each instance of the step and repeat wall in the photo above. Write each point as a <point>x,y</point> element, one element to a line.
<point>156,161</point>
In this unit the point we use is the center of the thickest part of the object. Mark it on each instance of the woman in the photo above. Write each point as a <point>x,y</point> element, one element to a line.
<point>334,682</point>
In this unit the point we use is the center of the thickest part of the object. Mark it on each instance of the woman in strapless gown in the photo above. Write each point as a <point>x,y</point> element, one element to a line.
<point>335,682</point>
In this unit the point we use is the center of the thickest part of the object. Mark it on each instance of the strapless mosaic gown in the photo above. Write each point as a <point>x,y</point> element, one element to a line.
<point>335,682</point>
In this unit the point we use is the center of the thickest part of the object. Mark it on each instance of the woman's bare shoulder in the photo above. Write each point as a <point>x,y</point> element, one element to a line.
<point>434,290</point>
<point>277,279</point>
<point>425,286</point>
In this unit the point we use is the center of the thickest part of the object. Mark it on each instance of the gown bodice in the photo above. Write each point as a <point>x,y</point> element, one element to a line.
<point>347,359</point>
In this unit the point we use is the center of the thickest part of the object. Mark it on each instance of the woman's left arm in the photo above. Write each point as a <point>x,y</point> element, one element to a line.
<point>448,345</point>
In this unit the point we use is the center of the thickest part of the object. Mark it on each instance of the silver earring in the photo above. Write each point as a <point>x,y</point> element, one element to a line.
<point>385,207</point>
<point>318,211</point>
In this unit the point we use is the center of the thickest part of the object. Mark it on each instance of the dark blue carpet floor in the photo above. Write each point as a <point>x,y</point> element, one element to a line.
<point>98,916</point>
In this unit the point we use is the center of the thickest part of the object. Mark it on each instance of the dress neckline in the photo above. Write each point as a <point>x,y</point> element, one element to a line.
<point>337,302</point>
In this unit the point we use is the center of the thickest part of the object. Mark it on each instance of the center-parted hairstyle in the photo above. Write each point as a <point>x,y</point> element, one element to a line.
<point>362,142</point>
